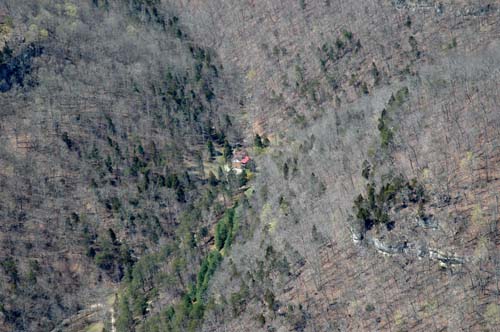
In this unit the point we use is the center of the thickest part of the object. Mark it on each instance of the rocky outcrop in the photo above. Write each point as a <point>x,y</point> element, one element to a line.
<point>439,8</point>
<point>402,247</point>
<point>445,259</point>
<point>389,248</point>
<point>478,10</point>
<point>418,4</point>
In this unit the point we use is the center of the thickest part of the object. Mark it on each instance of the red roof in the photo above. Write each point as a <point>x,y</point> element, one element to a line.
<point>245,160</point>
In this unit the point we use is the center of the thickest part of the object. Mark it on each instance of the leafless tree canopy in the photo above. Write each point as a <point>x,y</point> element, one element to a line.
<point>175,165</point>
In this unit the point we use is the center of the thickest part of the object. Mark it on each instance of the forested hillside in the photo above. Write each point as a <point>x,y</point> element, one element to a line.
<point>296,165</point>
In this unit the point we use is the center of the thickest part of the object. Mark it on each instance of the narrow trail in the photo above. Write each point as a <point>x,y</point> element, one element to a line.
<point>113,319</point>
<point>93,314</point>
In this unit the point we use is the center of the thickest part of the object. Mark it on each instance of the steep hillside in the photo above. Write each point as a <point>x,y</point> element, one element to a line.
<point>107,110</point>
<point>370,202</point>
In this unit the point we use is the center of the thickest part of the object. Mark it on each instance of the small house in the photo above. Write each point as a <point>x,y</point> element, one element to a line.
<point>245,161</point>
<point>240,161</point>
<point>236,163</point>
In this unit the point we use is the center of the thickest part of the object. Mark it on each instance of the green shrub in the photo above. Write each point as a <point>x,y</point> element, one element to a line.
<point>104,260</point>
<point>269,298</point>
<point>366,170</point>
<point>261,320</point>
<point>210,149</point>
<point>364,88</point>
<point>347,34</point>
<point>125,321</point>
<point>10,268</point>
<point>401,97</point>
<point>386,134</point>
<point>339,43</point>
<point>414,46</point>
<point>239,299</point>
<point>375,73</point>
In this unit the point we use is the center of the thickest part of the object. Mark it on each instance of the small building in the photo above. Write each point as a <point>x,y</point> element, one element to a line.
<point>236,163</point>
<point>240,161</point>
<point>245,161</point>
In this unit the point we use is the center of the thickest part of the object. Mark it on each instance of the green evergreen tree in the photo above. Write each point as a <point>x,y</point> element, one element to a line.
<point>220,173</point>
<point>211,149</point>
<point>257,141</point>
<point>212,180</point>
<point>266,142</point>
<point>228,151</point>
<point>285,171</point>
<point>243,178</point>
<point>112,236</point>
<point>125,321</point>
<point>221,233</point>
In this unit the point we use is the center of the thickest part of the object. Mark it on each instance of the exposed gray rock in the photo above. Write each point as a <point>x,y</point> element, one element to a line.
<point>357,231</point>
<point>414,4</point>
<point>478,10</point>
<point>445,259</point>
<point>389,248</point>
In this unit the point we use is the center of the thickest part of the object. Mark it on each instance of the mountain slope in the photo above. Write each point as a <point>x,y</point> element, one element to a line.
<point>370,203</point>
